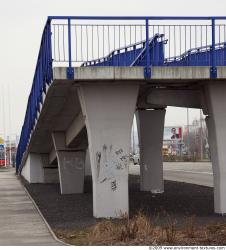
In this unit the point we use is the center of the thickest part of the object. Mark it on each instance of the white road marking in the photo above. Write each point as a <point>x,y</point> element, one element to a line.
<point>188,171</point>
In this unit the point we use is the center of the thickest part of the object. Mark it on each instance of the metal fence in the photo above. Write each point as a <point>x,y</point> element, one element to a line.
<point>122,41</point>
<point>95,41</point>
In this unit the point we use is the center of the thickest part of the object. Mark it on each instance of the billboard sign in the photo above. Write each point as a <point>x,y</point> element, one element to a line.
<point>172,133</point>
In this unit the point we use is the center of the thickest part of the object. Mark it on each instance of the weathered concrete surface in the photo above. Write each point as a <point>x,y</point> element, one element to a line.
<point>216,124</point>
<point>33,170</point>
<point>110,73</point>
<point>20,222</point>
<point>109,112</point>
<point>137,73</point>
<point>150,125</point>
<point>176,97</point>
<point>71,165</point>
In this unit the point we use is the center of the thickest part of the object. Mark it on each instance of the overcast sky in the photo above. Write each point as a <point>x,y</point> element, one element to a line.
<point>21,25</point>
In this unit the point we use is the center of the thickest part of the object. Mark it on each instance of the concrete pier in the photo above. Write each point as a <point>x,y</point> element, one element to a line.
<point>150,124</point>
<point>109,112</point>
<point>71,164</point>
<point>216,123</point>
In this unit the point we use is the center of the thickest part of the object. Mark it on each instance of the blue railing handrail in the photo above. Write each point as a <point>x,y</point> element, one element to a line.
<point>130,18</point>
<point>194,51</point>
<point>118,50</point>
<point>43,75</point>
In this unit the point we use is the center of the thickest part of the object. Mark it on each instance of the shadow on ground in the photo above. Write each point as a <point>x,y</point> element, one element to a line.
<point>179,201</point>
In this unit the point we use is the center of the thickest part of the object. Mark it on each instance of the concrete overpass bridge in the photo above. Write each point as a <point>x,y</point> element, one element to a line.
<point>93,74</point>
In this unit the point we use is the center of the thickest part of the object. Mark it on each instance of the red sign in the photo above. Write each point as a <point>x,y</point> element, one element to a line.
<point>2,163</point>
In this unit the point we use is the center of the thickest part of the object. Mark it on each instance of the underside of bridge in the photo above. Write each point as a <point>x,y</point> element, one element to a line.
<point>86,123</point>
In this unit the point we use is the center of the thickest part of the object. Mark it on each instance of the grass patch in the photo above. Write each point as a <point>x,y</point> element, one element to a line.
<point>141,230</point>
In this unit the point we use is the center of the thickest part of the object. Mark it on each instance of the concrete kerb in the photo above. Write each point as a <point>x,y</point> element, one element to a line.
<point>43,218</point>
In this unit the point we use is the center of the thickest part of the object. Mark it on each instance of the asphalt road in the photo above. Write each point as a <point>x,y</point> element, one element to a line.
<point>190,172</point>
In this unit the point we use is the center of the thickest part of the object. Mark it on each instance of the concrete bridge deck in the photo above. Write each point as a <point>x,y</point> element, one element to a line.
<point>20,222</point>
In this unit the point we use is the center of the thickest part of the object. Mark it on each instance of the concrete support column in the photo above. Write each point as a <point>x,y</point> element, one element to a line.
<point>216,124</point>
<point>33,169</point>
<point>71,165</point>
<point>109,111</point>
<point>150,124</point>
<point>50,172</point>
<point>87,164</point>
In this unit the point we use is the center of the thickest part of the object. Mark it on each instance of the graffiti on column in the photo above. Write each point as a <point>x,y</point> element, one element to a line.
<point>73,162</point>
<point>98,158</point>
<point>109,160</point>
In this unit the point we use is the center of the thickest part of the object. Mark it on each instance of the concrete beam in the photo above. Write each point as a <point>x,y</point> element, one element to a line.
<point>75,128</point>
<point>179,73</point>
<point>177,98</point>
<point>137,73</point>
<point>52,156</point>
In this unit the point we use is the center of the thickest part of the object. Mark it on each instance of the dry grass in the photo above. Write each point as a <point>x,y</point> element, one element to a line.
<point>190,226</point>
<point>137,230</point>
<point>170,230</point>
<point>140,230</point>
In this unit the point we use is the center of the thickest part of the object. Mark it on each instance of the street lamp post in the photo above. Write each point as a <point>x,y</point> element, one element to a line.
<point>201,142</point>
<point>188,132</point>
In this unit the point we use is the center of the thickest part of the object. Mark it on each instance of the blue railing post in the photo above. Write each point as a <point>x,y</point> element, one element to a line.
<point>70,70</point>
<point>213,68</point>
<point>49,54</point>
<point>147,68</point>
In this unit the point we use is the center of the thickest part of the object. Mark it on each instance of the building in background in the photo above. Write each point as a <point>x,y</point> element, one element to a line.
<point>2,152</point>
<point>8,150</point>
<point>196,139</point>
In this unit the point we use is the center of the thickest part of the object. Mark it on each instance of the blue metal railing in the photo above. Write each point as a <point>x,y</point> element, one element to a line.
<point>200,56</point>
<point>71,41</point>
<point>134,54</point>
<point>43,75</point>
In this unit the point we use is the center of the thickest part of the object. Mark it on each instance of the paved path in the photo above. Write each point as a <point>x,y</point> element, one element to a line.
<point>20,222</point>
<point>190,172</point>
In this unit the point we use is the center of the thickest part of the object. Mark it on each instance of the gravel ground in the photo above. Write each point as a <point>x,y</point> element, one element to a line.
<point>65,212</point>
